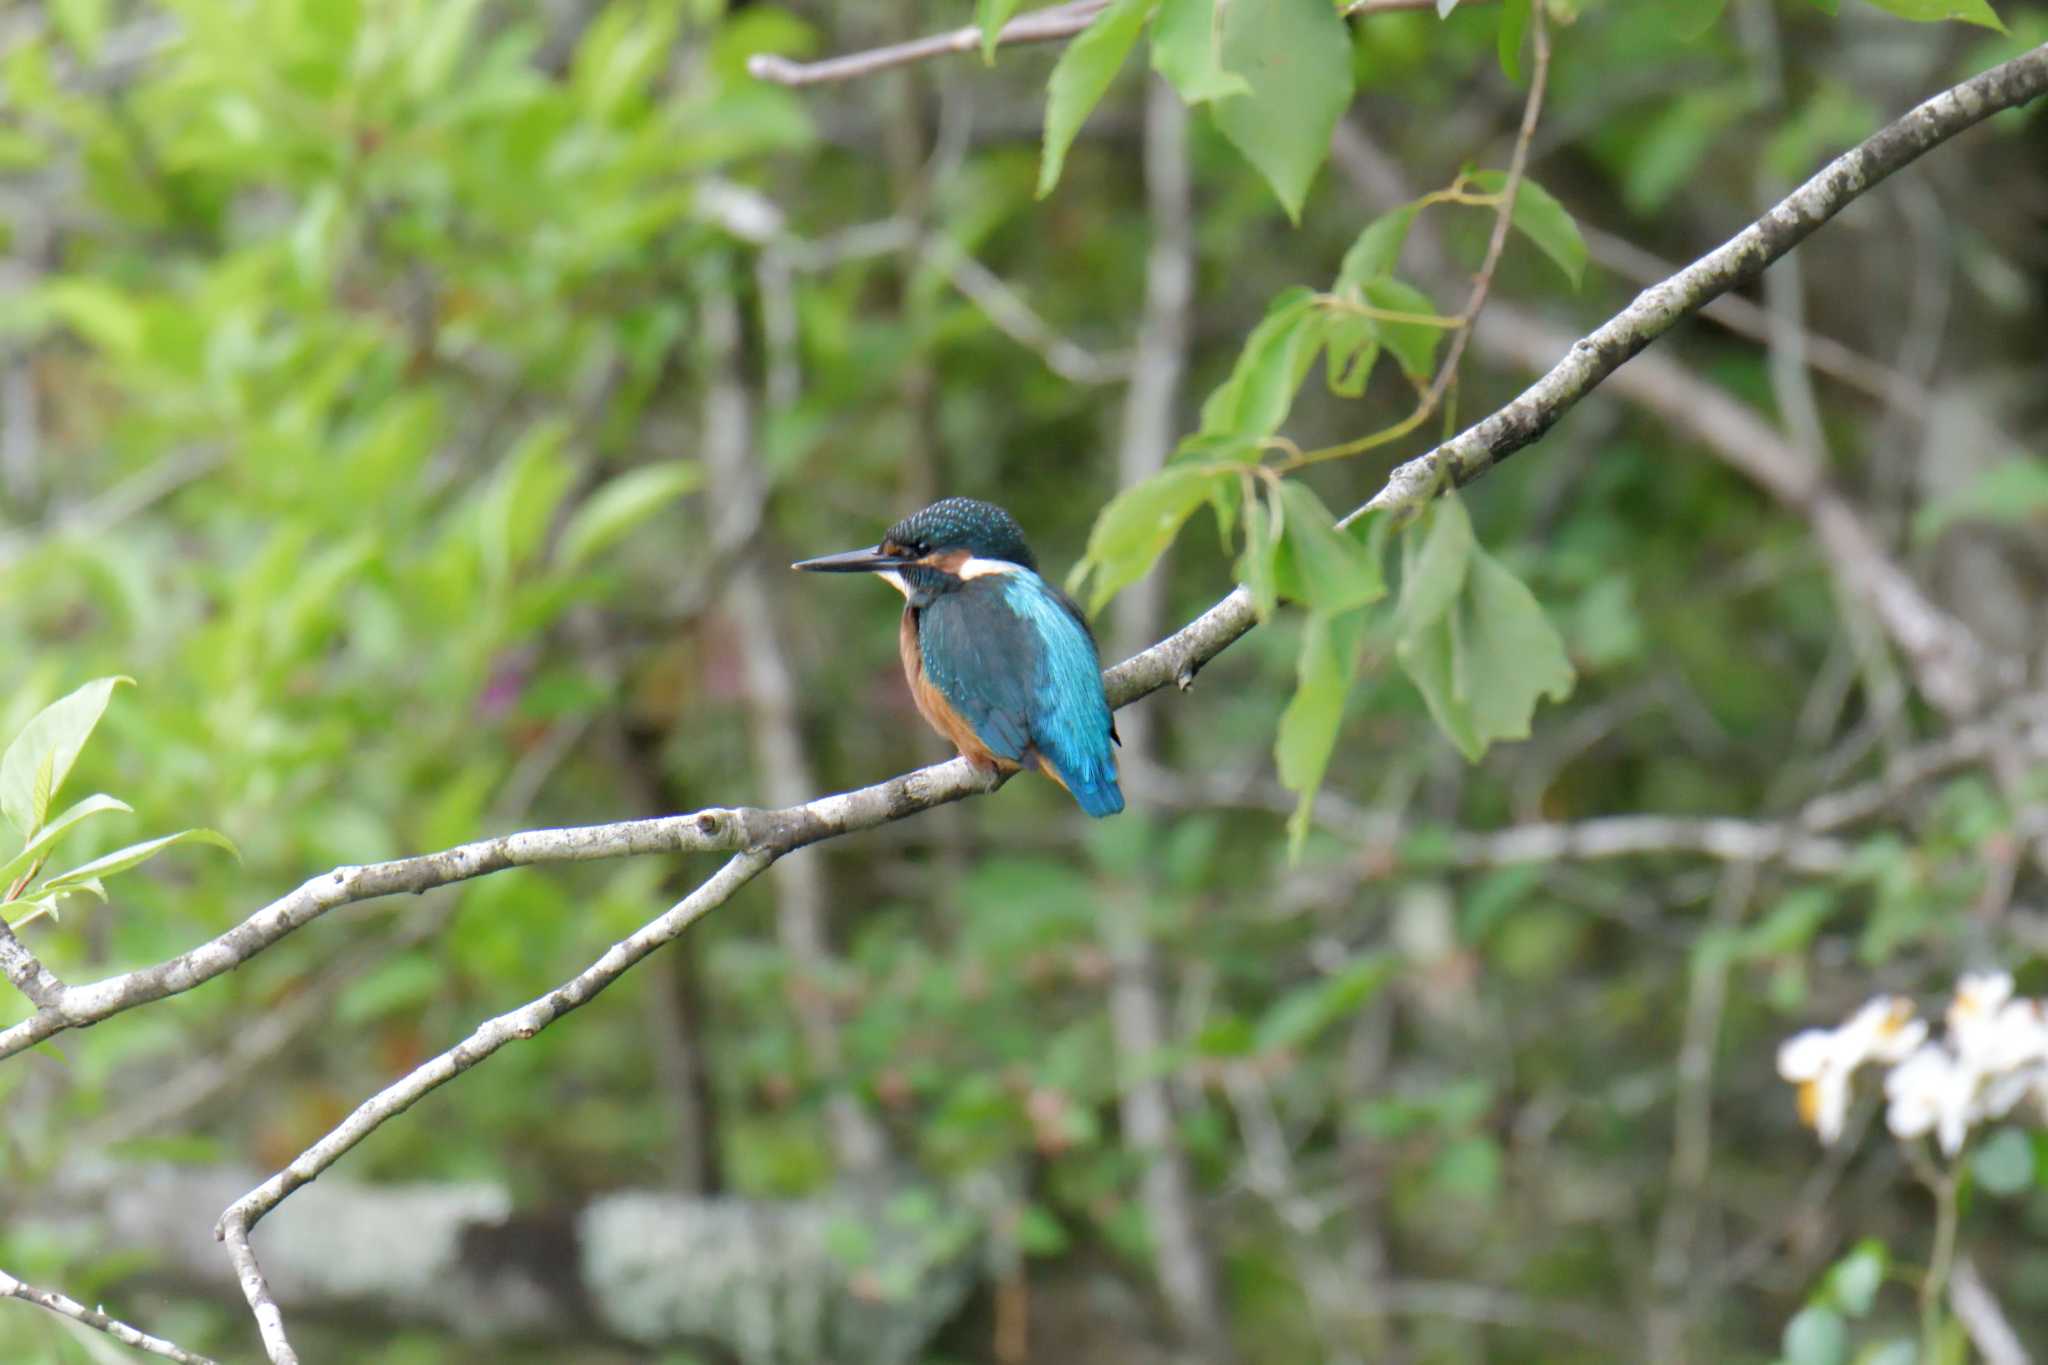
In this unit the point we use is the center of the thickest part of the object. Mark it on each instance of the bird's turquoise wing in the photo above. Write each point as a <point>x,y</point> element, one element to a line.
<point>1018,664</point>
<point>978,653</point>
<point>1069,718</point>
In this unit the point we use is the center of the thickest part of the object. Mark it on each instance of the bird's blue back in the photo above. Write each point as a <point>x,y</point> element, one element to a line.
<point>1013,656</point>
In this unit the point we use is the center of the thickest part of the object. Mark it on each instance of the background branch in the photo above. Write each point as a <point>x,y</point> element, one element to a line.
<point>92,1317</point>
<point>1039,26</point>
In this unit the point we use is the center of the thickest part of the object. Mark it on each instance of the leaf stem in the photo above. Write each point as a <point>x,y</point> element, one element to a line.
<point>1503,204</point>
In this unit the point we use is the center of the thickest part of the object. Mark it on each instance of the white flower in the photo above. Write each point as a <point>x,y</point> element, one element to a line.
<point>1822,1061</point>
<point>1996,1053</point>
<point>1993,1033</point>
<point>1931,1090</point>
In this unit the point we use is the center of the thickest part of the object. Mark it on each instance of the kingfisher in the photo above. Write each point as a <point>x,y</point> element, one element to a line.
<point>1000,661</point>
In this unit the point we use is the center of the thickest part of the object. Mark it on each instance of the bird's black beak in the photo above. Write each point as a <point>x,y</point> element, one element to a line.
<point>870,560</point>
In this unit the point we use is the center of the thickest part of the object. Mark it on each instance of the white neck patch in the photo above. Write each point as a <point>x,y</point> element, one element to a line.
<point>977,568</point>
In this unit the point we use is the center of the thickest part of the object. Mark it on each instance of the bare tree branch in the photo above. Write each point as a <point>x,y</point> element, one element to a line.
<point>1039,26</point>
<point>1870,377</point>
<point>1977,1309</point>
<point>1007,311</point>
<point>92,1317</point>
<point>1735,263</point>
<point>522,1023</point>
<point>1950,664</point>
<point>26,970</point>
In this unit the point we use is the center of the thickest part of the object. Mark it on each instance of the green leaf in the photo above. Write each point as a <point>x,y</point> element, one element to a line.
<point>521,498</point>
<point>121,859</point>
<point>1668,149</point>
<point>1483,656</point>
<point>1039,1233</point>
<point>1539,217</point>
<point>1299,1016</point>
<point>992,15</point>
<point>1137,527</point>
<point>622,504</point>
<point>1790,925</point>
<point>1080,77</point>
<point>1977,12</point>
<point>1434,558</point>
<point>1296,54</point>
<point>34,767</point>
<point>1816,1336</point>
<point>1377,249</point>
<point>1469,1168</point>
<point>1691,19</point>
<point>1258,565</point>
<point>430,60</point>
<point>1856,1278</point>
<point>28,911</point>
<point>1315,713</point>
<point>1187,47</point>
<point>2013,493</point>
<point>2004,1165</point>
<point>83,24</point>
<point>402,983</point>
<point>1413,343</point>
<point>97,311</point>
<point>53,831</point>
<point>1514,31</point>
<point>1351,344</point>
<point>1276,357</point>
<point>1336,572</point>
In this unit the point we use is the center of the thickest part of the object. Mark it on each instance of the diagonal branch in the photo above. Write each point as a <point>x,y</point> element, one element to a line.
<point>1039,26</point>
<point>1730,266</point>
<point>77,1312</point>
<point>388,1103</point>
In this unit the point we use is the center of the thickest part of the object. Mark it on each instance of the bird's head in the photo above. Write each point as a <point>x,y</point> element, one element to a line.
<point>938,548</point>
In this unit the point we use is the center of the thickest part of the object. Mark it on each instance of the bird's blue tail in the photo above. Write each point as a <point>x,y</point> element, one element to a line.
<point>1096,790</point>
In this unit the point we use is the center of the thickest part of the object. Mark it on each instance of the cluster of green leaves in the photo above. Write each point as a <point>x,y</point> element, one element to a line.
<point>1468,633</point>
<point>32,772</point>
<point>1276,77</point>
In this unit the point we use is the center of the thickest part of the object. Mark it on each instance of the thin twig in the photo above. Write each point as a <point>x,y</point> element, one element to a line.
<point>1503,218</point>
<point>522,1023</point>
<point>92,1317</point>
<point>1040,26</point>
<point>1942,1184</point>
<point>1842,363</point>
<point>1017,320</point>
<point>1671,1261</point>
<point>1733,264</point>
<point>1977,1309</point>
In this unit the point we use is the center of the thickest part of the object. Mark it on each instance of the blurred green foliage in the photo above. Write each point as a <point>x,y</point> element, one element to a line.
<point>366,372</point>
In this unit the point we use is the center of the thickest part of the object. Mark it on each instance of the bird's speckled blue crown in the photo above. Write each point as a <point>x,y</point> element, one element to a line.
<point>983,529</point>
